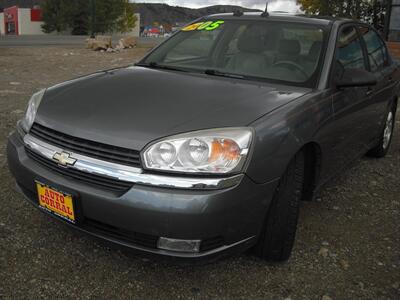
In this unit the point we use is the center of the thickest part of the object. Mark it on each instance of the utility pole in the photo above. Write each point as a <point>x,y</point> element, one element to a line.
<point>93,18</point>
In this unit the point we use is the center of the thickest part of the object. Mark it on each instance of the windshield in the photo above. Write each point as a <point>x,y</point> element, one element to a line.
<point>285,52</point>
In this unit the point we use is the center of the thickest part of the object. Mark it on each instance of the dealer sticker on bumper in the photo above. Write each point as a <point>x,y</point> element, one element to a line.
<point>56,202</point>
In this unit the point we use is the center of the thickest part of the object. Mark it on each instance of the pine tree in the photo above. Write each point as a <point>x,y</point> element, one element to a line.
<point>76,15</point>
<point>54,15</point>
<point>366,10</point>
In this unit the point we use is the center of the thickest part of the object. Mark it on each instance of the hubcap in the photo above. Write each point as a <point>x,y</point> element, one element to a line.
<point>387,134</point>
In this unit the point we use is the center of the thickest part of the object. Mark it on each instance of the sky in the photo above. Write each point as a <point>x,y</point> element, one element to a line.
<point>274,5</point>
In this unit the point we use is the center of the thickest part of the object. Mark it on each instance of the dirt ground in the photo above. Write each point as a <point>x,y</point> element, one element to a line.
<point>347,247</point>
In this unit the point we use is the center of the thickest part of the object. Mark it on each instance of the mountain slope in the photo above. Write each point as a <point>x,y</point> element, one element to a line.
<point>20,3</point>
<point>166,14</point>
<point>154,12</point>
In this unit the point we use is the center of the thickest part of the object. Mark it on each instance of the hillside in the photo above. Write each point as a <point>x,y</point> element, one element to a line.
<point>153,12</point>
<point>20,3</point>
<point>166,14</point>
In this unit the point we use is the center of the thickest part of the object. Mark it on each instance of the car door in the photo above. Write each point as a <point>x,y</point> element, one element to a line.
<point>349,104</point>
<point>381,93</point>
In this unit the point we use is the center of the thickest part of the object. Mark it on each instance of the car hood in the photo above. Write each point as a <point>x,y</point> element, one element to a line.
<point>133,106</point>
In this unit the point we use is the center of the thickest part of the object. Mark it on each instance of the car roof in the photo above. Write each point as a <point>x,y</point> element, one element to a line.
<point>283,16</point>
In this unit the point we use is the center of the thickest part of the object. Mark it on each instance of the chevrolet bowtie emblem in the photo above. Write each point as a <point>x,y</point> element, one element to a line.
<point>64,159</point>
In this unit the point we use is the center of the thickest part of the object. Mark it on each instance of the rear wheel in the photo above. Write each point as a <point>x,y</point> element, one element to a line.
<point>278,235</point>
<point>385,140</point>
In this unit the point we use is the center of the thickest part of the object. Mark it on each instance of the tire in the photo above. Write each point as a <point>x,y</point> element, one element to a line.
<point>277,237</point>
<point>382,148</point>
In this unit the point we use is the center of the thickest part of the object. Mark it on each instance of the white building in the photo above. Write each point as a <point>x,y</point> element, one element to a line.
<point>20,21</point>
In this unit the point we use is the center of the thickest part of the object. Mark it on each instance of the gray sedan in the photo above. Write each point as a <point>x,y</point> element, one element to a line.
<point>209,144</point>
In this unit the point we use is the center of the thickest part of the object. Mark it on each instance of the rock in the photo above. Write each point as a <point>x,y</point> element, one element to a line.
<point>344,264</point>
<point>89,44</point>
<point>325,243</point>
<point>101,42</point>
<point>99,46</point>
<point>112,50</point>
<point>127,42</point>
<point>17,112</point>
<point>336,208</point>
<point>195,290</point>
<point>326,297</point>
<point>323,252</point>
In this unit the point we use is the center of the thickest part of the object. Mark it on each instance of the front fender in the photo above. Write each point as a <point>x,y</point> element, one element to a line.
<point>283,132</point>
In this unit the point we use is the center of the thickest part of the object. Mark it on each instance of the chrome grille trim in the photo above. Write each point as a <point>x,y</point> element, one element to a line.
<point>129,174</point>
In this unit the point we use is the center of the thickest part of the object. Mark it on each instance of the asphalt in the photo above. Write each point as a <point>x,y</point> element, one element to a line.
<point>54,40</point>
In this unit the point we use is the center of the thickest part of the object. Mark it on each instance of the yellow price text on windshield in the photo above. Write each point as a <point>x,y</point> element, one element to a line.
<point>207,26</point>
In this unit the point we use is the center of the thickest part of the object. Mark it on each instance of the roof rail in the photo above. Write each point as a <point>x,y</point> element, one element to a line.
<point>238,13</point>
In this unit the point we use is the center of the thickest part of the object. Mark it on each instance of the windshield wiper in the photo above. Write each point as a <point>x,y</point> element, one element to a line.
<point>155,65</point>
<point>213,72</point>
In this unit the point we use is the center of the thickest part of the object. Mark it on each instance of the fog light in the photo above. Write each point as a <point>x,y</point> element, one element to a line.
<point>178,245</point>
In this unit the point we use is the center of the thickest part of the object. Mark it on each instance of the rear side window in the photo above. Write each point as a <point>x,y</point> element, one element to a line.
<point>349,52</point>
<point>377,53</point>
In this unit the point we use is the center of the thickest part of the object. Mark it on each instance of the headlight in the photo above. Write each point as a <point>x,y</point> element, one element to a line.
<point>33,106</point>
<point>216,151</point>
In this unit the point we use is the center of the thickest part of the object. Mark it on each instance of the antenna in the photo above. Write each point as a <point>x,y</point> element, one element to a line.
<point>265,13</point>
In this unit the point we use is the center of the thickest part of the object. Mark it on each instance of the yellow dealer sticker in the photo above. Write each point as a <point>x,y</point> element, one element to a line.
<point>208,26</point>
<point>56,202</point>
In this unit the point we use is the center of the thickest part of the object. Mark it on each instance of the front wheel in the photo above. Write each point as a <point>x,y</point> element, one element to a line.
<point>386,137</point>
<point>277,238</point>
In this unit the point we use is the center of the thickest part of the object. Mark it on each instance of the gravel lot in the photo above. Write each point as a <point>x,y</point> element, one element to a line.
<point>348,243</point>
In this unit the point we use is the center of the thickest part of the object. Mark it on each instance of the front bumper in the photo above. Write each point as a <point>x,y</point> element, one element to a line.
<point>223,219</point>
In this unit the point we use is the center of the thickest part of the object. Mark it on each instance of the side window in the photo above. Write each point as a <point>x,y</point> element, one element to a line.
<point>349,51</point>
<point>377,54</point>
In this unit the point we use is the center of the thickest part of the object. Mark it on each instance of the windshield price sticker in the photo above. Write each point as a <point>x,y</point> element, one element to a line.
<point>208,26</point>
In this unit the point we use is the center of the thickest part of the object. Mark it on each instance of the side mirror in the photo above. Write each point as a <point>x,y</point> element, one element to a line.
<point>356,78</point>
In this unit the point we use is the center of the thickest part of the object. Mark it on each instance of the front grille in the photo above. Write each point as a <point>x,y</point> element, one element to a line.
<point>92,149</point>
<point>145,240</point>
<point>101,181</point>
